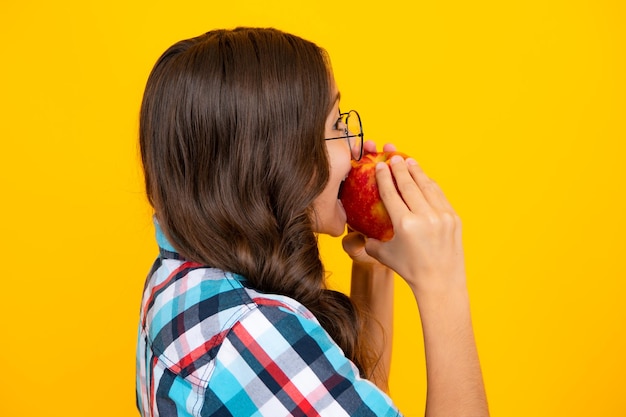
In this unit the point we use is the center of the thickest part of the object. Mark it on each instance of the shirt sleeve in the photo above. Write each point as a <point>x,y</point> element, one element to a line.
<point>276,362</point>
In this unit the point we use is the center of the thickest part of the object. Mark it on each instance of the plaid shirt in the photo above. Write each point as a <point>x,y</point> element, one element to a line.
<point>210,346</point>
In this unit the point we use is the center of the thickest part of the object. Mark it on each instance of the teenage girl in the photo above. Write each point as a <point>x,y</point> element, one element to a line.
<point>236,318</point>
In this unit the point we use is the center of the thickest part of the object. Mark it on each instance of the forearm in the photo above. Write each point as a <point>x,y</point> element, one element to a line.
<point>372,290</point>
<point>455,385</point>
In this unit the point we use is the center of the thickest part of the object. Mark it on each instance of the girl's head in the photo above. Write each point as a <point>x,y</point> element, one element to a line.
<point>232,130</point>
<point>235,120</point>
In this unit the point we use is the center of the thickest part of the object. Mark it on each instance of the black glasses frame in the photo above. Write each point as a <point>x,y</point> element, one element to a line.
<point>347,136</point>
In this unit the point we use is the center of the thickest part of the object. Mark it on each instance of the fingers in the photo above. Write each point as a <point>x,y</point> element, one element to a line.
<point>353,243</point>
<point>429,188</point>
<point>394,203</point>
<point>409,189</point>
<point>369,146</point>
<point>375,248</point>
<point>389,147</point>
<point>417,192</point>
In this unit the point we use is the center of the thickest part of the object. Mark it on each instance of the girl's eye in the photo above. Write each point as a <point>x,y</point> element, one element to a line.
<point>339,125</point>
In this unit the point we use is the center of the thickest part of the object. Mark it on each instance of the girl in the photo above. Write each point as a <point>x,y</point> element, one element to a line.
<point>236,318</point>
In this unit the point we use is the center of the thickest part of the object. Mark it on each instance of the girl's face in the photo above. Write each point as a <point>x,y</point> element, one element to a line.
<point>330,217</point>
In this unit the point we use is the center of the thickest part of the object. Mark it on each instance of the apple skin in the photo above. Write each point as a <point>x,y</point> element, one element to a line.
<point>359,195</point>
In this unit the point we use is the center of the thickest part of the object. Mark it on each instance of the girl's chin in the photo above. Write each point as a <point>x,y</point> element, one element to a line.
<point>335,232</point>
<point>339,224</point>
<point>333,226</point>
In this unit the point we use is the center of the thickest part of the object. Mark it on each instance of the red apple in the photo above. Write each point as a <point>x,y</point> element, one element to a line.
<point>360,198</point>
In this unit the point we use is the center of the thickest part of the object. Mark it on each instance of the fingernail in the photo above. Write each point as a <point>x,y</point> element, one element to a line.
<point>411,161</point>
<point>380,166</point>
<point>395,159</point>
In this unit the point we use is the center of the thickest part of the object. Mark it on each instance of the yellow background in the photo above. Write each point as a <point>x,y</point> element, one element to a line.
<point>516,108</point>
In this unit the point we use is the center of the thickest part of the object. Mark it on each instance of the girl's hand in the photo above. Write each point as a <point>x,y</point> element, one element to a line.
<point>354,245</point>
<point>426,249</point>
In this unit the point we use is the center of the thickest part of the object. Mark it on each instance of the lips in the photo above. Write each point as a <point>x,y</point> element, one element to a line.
<point>340,189</point>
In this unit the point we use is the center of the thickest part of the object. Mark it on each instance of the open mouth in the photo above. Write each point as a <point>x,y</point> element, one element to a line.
<point>340,189</point>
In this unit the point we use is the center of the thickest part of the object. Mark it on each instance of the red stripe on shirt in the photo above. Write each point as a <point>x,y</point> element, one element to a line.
<point>272,303</point>
<point>274,370</point>
<point>157,288</point>
<point>152,405</point>
<point>195,354</point>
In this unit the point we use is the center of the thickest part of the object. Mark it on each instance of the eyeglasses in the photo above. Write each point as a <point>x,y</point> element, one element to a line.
<point>350,123</point>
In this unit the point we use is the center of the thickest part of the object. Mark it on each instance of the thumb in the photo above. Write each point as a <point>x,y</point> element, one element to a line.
<point>353,243</point>
<point>374,248</point>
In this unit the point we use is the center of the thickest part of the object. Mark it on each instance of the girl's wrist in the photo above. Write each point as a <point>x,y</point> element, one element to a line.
<point>371,280</point>
<point>446,300</point>
<point>373,267</point>
<point>438,285</point>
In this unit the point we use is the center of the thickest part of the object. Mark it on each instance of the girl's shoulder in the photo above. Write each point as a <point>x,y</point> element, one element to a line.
<point>189,309</point>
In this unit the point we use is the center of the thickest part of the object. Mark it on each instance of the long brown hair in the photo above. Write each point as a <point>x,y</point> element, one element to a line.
<point>231,136</point>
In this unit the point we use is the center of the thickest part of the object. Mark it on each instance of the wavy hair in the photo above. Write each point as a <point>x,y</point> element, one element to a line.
<point>231,137</point>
